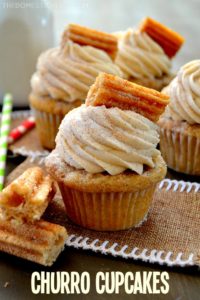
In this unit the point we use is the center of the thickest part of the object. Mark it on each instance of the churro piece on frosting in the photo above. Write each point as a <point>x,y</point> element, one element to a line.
<point>40,242</point>
<point>90,37</point>
<point>168,39</point>
<point>113,91</point>
<point>27,197</point>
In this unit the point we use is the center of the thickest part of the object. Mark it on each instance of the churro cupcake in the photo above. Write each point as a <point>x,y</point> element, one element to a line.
<point>180,124</point>
<point>64,75</point>
<point>105,161</point>
<point>145,53</point>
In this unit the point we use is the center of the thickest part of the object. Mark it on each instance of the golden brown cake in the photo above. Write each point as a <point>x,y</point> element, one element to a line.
<point>64,75</point>
<point>180,124</point>
<point>105,202</point>
<point>145,53</point>
<point>105,161</point>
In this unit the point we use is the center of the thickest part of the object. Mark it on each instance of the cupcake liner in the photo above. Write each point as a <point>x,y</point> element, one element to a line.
<point>107,211</point>
<point>47,126</point>
<point>180,151</point>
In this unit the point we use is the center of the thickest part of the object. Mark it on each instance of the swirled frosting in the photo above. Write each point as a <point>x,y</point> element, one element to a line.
<point>67,73</point>
<point>99,139</point>
<point>140,56</point>
<point>184,92</point>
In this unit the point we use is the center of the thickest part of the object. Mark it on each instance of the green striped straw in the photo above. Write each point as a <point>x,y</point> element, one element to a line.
<point>4,132</point>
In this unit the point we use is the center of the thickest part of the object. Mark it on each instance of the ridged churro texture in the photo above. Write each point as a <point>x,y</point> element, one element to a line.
<point>90,37</point>
<point>27,197</point>
<point>113,91</point>
<point>40,242</point>
<point>168,39</point>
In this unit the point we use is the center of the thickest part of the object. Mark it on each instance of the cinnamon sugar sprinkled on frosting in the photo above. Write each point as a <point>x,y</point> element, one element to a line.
<point>67,73</point>
<point>99,139</point>
<point>140,56</point>
<point>184,92</point>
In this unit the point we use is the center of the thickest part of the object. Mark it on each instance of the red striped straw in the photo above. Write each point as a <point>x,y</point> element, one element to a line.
<point>20,130</point>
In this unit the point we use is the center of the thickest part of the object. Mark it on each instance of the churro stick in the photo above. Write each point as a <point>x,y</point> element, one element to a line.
<point>168,39</point>
<point>40,242</point>
<point>113,91</point>
<point>90,37</point>
<point>27,197</point>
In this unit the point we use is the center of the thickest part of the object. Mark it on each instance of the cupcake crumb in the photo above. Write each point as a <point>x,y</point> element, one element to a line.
<point>6,284</point>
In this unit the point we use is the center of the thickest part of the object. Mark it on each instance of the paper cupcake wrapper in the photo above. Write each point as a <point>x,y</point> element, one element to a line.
<point>109,210</point>
<point>180,151</point>
<point>47,125</point>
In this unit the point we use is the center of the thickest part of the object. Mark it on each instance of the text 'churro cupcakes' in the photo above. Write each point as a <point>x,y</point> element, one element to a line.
<point>180,124</point>
<point>64,75</point>
<point>106,162</point>
<point>145,53</point>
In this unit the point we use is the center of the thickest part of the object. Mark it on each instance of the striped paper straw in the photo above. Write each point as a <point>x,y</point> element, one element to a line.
<point>4,132</point>
<point>21,129</point>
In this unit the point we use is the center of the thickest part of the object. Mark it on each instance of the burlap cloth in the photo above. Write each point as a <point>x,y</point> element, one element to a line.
<point>169,236</point>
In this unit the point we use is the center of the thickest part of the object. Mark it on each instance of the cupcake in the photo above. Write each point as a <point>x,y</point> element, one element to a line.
<point>180,124</point>
<point>145,54</point>
<point>64,75</point>
<point>105,161</point>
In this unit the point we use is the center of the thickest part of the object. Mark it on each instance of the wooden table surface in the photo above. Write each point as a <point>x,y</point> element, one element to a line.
<point>184,282</point>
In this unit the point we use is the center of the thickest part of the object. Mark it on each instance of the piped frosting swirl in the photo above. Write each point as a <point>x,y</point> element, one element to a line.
<point>184,92</point>
<point>140,56</point>
<point>99,139</point>
<point>67,73</point>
